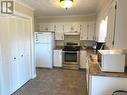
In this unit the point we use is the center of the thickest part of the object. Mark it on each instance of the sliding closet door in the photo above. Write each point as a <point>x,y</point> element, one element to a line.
<point>5,56</point>
<point>27,49</point>
<point>15,57</point>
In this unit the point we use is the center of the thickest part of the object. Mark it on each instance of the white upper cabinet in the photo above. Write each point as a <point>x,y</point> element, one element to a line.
<point>59,31</point>
<point>110,27</point>
<point>87,31</point>
<point>72,27</point>
<point>83,31</point>
<point>46,27</point>
<point>91,31</point>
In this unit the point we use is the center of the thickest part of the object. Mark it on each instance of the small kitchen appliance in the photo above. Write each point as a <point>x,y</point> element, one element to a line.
<point>111,60</point>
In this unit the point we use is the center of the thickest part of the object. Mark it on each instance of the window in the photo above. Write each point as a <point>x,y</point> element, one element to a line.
<point>103,29</point>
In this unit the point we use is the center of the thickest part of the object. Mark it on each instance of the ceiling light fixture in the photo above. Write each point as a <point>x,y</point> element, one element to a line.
<point>66,3</point>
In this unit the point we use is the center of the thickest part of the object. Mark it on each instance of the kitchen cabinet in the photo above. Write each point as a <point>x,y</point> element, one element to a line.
<point>57,58</point>
<point>91,31</point>
<point>72,27</point>
<point>59,31</point>
<point>46,27</point>
<point>83,59</point>
<point>100,85</point>
<point>110,26</point>
<point>87,31</point>
<point>83,31</point>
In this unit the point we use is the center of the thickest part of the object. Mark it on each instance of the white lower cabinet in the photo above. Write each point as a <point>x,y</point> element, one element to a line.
<point>57,58</point>
<point>104,85</point>
<point>83,59</point>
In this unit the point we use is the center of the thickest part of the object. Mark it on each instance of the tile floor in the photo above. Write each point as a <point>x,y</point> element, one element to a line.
<point>55,82</point>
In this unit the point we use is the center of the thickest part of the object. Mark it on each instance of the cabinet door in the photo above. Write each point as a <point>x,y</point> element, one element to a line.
<point>83,31</point>
<point>59,31</point>
<point>67,27</point>
<point>91,30</point>
<point>110,27</point>
<point>83,59</point>
<point>72,27</point>
<point>57,58</point>
<point>75,27</point>
<point>46,27</point>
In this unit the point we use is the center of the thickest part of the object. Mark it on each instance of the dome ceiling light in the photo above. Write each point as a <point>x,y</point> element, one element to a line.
<point>66,3</point>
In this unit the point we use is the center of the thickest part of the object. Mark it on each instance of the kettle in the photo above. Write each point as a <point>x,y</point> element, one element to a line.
<point>94,46</point>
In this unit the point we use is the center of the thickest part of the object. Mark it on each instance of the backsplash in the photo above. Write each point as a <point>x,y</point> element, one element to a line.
<point>87,43</point>
<point>71,38</point>
<point>82,43</point>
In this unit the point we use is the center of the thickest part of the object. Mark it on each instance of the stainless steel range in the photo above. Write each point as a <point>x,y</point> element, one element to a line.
<point>71,55</point>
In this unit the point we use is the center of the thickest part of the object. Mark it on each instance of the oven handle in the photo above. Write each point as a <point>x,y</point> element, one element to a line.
<point>71,51</point>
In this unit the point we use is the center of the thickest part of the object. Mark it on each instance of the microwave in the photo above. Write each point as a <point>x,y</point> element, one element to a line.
<point>111,60</point>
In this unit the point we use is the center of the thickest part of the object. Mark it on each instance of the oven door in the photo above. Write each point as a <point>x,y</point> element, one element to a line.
<point>71,57</point>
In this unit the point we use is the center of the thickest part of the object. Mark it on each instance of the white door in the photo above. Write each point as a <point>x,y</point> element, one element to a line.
<point>5,65</point>
<point>23,50</point>
<point>14,61</point>
<point>43,55</point>
<point>27,49</point>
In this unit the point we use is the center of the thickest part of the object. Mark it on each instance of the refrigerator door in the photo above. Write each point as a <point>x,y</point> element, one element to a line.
<point>43,55</point>
<point>43,37</point>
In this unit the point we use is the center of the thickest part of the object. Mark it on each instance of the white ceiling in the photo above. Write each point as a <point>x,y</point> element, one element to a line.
<point>52,7</point>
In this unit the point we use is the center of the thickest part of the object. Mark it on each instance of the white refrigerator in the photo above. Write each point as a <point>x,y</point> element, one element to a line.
<point>44,45</point>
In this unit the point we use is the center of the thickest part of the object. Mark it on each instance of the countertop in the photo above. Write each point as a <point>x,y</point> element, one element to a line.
<point>61,47</point>
<point>94,69</point>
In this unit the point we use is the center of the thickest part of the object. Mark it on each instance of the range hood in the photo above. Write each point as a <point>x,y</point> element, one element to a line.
<point>72,33</point>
